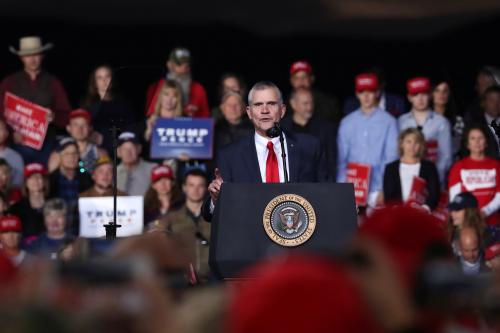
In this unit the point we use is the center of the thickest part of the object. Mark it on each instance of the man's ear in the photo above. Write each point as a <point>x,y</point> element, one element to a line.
<point>283,110</point>
<point>139,149</point>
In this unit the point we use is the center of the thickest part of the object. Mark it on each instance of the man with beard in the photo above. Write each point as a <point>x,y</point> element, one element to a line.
<point>194,96</point>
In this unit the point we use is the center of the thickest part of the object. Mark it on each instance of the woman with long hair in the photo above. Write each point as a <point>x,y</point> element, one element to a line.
<point>479,174</point>
<point>106,105</point>
<point>168,106</point>
<point>162,195</point>
<point>443,102</point>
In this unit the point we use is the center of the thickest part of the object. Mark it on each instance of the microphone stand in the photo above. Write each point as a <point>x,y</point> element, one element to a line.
<point>283,154</point>
<point>112,226</point>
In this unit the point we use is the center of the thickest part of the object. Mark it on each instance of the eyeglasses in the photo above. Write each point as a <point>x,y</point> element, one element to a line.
<point>260,106</point>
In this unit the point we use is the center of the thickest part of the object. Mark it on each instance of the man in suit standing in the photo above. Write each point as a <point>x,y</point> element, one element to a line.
<point>257,157</point>
<point>490,119</point>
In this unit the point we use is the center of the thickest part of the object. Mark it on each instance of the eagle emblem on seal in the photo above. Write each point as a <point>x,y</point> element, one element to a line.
<point>290,220</point>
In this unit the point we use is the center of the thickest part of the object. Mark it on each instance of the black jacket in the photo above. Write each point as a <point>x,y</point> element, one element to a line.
<point>392,182</point>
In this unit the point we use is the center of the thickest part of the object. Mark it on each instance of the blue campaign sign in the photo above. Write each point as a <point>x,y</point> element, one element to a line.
<point>172,138</point>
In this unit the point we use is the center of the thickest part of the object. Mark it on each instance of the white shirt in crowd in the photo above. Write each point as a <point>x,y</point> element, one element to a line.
<point>406,173</point>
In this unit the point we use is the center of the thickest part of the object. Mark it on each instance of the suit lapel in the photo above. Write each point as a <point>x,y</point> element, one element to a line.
<point>293,157</point>
<point>250,158</point>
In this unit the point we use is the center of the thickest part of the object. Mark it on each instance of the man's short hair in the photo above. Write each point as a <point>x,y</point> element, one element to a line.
<point>262,85</point>
<point>492,89</point>
<point>54,205</point>
<point>197,173</point>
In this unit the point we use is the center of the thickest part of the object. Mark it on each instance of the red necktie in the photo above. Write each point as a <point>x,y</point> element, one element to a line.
<point>272,173</point>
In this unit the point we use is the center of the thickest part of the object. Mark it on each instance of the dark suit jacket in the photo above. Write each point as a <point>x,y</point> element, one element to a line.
<point>238,162</point>
<point>325,131</point>
<point>392,182</point>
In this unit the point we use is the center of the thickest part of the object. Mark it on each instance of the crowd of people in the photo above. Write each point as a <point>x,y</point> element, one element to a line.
<point>422,135</point>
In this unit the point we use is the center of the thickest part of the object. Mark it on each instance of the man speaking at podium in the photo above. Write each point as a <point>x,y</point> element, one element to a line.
<point>258,157</point>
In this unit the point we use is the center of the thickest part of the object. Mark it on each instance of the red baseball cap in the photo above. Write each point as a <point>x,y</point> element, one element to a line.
<point>492,251</point>
<point>161,171</point>
<point>418,85</point>
<point>300,65</point>
<point>366,81</point>
<point>10,223</point>
<point>80,113</point>
<point>33,168</point>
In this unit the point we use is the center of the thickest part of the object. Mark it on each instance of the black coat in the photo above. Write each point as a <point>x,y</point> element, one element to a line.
<point>325,131</point>
<point>392,182</point>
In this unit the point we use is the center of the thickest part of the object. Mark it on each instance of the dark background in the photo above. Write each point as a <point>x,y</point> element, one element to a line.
<point>257,43</point>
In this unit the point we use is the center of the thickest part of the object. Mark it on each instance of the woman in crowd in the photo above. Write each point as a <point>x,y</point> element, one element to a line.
<point>168,106</point>
<point>13,195</point>
<point>399,175</point>
<point>162,195</point>
<point>106,106</point>
<point>444,103</point>
<point>478,174</point>
<point>30,208</point>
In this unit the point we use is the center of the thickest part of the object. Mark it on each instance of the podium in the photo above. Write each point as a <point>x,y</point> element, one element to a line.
<point>255,221</point>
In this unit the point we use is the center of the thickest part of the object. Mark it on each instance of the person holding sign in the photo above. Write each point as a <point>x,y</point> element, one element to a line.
<point>435,127</point>
<point>410,178</point>
<point>35,85</point>
<point>168,106</point>
<point>478,174</point>
<point>366,141</point>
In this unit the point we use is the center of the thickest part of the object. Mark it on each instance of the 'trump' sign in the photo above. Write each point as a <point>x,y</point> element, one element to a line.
<point>172,138</point>
<point>96,212</point>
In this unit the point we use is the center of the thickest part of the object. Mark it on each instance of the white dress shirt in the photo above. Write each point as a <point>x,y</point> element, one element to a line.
<point>262,152</point>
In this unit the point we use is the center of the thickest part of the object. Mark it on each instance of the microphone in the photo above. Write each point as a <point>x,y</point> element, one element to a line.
<point>274,132</point>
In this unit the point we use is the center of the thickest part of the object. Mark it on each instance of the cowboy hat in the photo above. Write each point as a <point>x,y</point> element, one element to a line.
<point>29,46</point>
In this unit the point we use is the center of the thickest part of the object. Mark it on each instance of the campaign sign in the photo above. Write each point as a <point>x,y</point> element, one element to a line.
<point>172,138</point>
<point>96,212</point>
<point>359,175</point>
<point>418,191</point>
<point>27,119</point>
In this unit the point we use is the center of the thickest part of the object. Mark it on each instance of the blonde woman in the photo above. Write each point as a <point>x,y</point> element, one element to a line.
<point>168,106</point>
<point>398,175</point>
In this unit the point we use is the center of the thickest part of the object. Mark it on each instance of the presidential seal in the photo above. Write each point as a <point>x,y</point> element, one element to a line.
<point>289,220</point>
